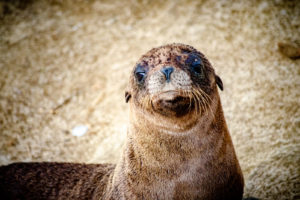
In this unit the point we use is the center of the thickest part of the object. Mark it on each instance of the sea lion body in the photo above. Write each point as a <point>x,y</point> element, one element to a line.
<point>53,181</point>
<point>178,145</point>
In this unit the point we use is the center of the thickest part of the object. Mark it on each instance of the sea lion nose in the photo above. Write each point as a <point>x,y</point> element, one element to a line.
<point>167,72</point>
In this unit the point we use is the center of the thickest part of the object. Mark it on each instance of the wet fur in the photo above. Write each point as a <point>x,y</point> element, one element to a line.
<point>165,157</point>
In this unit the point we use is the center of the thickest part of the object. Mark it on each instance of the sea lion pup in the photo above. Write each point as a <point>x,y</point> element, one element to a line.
<point>178,145</point>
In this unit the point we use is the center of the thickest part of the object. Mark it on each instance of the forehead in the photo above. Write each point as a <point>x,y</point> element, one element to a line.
<point>169,54</point>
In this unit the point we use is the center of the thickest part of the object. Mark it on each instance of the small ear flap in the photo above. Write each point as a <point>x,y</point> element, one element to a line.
<point>127,96</point>
<point>219,82</point>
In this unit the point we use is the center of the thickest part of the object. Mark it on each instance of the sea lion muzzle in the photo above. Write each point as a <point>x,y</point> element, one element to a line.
<point>172,103</point>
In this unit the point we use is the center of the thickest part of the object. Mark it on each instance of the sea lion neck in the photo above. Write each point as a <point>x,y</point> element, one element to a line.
<point>154,160</point>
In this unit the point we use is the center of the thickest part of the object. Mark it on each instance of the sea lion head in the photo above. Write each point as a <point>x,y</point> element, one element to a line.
<point>173,81</point>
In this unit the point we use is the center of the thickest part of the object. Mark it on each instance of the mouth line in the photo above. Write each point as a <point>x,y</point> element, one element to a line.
<point>175,100</point>
<point>169,92</point>
<point>173,93</point>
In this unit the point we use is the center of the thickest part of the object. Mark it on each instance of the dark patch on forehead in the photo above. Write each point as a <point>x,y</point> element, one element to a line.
<point>175,54</point>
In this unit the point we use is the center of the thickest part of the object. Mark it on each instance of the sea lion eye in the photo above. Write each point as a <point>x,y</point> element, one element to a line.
<point>140,76</point>
<point>140,73</point>
<point>196,66</point>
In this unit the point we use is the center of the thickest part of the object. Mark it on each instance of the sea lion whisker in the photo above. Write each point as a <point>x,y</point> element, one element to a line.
<point>195,101</point>
<point>208,100</point>
<point>202,104</point>
<point>204,100</point>
<point>190,101</point>
<point>188,95</point>
<point>197,104</point>
<point>200,101</point>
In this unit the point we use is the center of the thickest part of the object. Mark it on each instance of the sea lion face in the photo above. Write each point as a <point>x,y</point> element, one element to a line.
<point>173,80</point>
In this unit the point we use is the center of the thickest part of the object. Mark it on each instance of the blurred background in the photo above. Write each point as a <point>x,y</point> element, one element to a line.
<point>65,64</point>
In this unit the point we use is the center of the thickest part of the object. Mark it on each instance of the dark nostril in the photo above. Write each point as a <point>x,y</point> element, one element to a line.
<point>167,72</point>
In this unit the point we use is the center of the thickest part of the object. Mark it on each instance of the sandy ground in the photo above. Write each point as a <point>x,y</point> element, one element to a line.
<point>66,63</point>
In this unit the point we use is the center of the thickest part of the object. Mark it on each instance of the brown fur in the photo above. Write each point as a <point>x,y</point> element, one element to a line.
<point>53,181</point>
<point>178,145</point>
